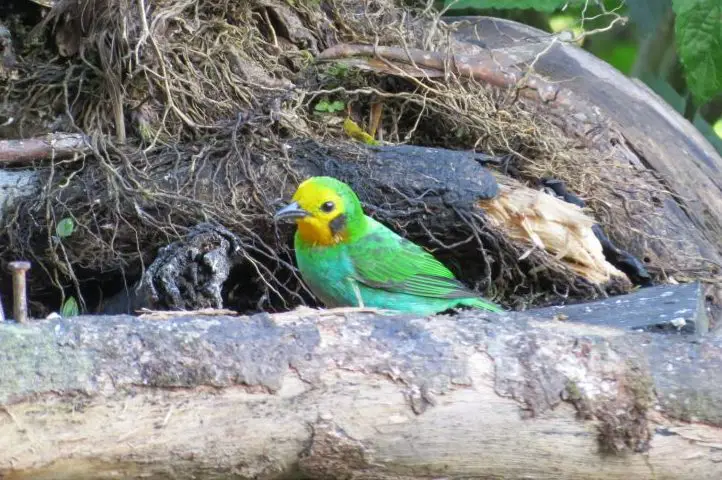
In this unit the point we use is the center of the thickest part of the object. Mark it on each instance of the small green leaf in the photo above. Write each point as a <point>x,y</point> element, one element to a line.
<point>322,106</point>
<point>65,227</point>
<point>330,107</point>
<point>561,22</point>
<point>336,106</point>
<point>338,70</point>
<point>718,127</point>
<point>538,5</point>
<point>70,308</point>
<point>698,30</point>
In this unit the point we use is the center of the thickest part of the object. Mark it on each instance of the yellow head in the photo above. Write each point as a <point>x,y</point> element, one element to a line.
<point>325,210</point>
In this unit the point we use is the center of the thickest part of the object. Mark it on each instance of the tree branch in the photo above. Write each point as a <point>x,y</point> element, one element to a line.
<point>52,145</point>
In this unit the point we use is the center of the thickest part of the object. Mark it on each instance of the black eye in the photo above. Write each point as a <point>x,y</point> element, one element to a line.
<point>328,207</point>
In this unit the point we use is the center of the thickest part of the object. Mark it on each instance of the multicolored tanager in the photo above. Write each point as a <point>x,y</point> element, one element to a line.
<point>349,259</point>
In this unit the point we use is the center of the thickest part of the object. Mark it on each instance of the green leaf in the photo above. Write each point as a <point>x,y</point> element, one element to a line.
<point>718,127</point>
<point>338,70</point>
<point>336,106</point>
<point>538,5</point>
<point>70,308</point>
<point>65,227</point>
<point>562,21</point>
<point>326,106</point>
<point>698,29</point>
<point>322,106</point>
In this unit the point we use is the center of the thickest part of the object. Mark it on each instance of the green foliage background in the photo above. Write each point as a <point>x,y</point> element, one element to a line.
<point>674,46</point>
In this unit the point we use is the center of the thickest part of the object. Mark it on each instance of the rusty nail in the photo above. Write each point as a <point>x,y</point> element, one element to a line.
<point>20,300</point>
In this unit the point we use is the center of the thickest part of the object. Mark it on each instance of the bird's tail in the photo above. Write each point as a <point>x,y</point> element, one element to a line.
<point>483,304</point>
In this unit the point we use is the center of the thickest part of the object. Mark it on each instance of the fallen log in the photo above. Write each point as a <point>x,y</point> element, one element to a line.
<point>662,308</point>
<point>344,394</point>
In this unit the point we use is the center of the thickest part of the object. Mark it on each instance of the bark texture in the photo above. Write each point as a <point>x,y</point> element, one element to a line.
<point>346,394</point>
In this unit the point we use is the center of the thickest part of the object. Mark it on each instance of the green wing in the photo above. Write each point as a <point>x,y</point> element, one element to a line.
<point>386,261</point>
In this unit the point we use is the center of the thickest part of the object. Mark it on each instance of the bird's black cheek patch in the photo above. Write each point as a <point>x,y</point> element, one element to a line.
<point>338,224</point>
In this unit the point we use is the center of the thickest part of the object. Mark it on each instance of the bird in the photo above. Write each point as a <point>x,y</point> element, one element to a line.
<point>348,259</point>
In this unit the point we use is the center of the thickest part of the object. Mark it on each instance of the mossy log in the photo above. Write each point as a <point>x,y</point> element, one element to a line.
<point>354,394</point>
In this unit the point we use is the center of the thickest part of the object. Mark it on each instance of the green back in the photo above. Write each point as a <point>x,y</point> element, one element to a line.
<point>382,259</point>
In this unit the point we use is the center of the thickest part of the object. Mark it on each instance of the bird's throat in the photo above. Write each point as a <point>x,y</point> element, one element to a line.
<point>313,231</point>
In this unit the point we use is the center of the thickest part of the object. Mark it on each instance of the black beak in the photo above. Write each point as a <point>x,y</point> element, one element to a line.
<point>292,211</point>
